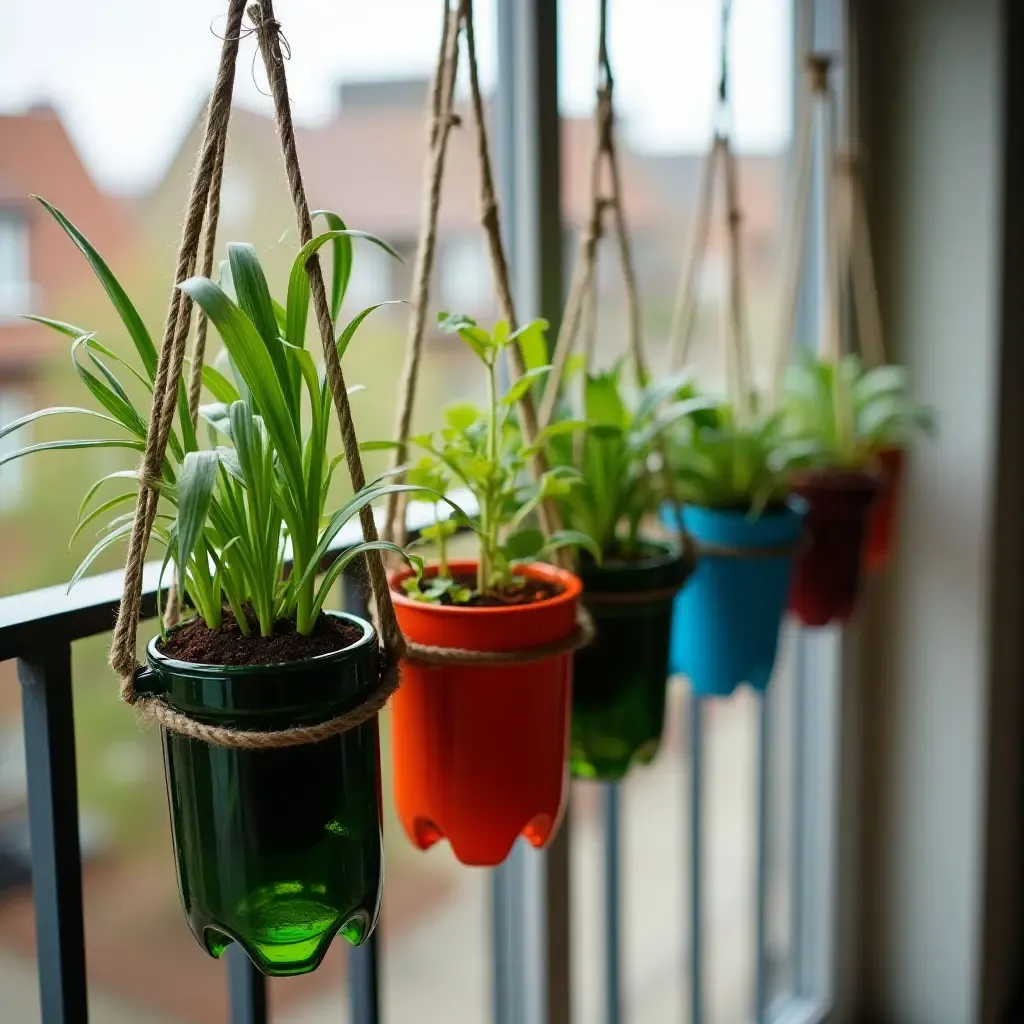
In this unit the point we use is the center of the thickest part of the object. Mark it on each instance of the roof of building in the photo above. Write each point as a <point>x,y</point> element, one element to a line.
<point>37,157</point>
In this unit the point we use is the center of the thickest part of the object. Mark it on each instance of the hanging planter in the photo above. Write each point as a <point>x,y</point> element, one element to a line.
<point>620,680</point>
<point>727,620</point>
<point>480,749</point>
<point>892,468</point>
<point>267,703</point>
<point>276,849</point>
<point>826,583</point>
<point>481,730</point>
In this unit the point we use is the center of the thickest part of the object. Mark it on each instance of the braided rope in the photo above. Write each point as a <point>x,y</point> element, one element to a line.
<point>442,120</point>
<point>581,636</point>
<point>172,354</point>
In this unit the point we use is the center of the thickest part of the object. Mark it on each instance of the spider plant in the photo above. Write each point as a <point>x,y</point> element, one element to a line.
<point>228,513</point>
<point>843,414</point>
<point>482,450</point>
<point>615,454</point>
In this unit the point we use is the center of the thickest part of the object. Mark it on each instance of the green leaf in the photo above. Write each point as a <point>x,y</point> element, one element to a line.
<point>533,344</point>
<point>109,393</point>
<point>345,336</point>
<point>524,383</point>
<point>87,442</point>
<point>345,559</point>
<point>195,488</point>
<point>526,544</point>
<point>125,310</point>
<point>121,474</point>
<point>101,545</point>
<point>603,405</point>
<point>255,302</point>
<point>461,416</point>
<point>341,260</point>
<point>257,369</point>
<point>105,506</point>
<point>60,410</point>
<point>572,538</point>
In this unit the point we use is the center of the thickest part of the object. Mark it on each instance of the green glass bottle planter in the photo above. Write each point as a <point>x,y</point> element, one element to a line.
<point>277,850</point>
<point>620,680</point>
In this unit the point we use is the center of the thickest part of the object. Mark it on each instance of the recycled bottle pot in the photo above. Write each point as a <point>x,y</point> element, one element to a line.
<point>481,751</point>
<point>827,576</point>
<point>892,465</point>
<point>620,680</point>
<point>280,849</point>
<point>727,619</point>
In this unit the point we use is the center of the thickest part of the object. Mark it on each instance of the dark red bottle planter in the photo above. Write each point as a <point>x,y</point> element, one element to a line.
<point>892,466</point>
<point>827,574</point>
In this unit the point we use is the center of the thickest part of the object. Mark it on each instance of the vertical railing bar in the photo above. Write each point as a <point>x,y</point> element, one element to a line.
<point>612,905</point>
<point>364,960</point>
<point>501,948</point>
<point>796,889</point>
<point>247,989</point>
<point>48,721</point>
<point>364,981</point>
<point>762,847</point>
<point>696,871</point>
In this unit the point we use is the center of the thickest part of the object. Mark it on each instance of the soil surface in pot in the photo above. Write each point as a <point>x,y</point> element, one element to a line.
<point>197,643</point>
<point>524,591</point>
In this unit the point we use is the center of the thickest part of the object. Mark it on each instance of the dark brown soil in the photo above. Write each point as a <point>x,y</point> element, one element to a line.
<point>196,643</point>
<point>527,591</point>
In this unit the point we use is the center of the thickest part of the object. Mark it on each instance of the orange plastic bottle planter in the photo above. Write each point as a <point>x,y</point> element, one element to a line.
<point>892,465</point>
<point>481,752</point>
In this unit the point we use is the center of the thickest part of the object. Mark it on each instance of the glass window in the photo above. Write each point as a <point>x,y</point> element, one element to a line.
<point>465,274</point>
<point>14,263</point>
<point>13,405</point>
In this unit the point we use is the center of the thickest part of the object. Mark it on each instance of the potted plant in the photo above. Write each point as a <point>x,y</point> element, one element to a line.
<point>276,849</point>
<point>732,479</point>
<point>480,747</point>
<point>890,419</point>
<point>620,679</point>
<point>842,415</point>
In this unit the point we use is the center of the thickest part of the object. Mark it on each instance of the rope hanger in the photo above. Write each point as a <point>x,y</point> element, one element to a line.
<point>458,21</point>
<point>583,284</point>
<point>849,262</point>
<point>720,158</point>
<point>203,205</point>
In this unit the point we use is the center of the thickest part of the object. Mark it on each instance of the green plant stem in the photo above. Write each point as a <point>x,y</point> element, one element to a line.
<point>442,542</point>
<point>488,525</point>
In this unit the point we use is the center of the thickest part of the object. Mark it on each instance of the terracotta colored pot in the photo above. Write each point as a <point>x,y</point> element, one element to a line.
<point>826,577</point>
<point>481,752</point>
<point>892,466</point>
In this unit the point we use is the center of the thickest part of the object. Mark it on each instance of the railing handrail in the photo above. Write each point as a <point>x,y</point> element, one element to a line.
<point>30,620</point>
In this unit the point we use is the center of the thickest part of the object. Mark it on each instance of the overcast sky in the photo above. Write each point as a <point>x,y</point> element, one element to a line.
<point>128,74</point>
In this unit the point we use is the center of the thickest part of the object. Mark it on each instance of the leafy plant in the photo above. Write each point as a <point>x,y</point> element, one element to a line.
<point>615,453</point>
<point>482,450</point>
<point>228,514</point>
<point>843,414</point>
<point>719,463</point>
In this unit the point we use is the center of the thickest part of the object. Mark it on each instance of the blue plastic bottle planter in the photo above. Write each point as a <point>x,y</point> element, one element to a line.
<point>725,628</point>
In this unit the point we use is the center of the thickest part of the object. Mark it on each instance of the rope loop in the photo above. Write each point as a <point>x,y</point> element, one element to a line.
<point>427,654</point>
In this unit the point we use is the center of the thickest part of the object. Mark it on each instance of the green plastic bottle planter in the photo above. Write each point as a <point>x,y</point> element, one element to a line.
<point>620,680</point>
<point>277,850</point>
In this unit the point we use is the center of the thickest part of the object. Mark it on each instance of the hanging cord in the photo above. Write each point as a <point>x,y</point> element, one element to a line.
<point>548,512</point>
<point>855,237</point>
<point>172,612</point>
<point>172,355</point>
<point>164,401</point>
<point>442,120</point>
<point>268,32</point>
<point>682,329</point>
<point>583,281</point>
